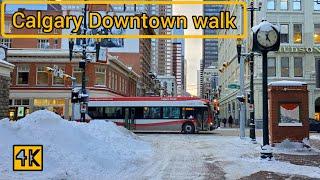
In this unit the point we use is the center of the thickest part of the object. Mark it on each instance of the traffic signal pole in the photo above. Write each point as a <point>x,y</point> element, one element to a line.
<point>251,68</point>
<point>84,59</point>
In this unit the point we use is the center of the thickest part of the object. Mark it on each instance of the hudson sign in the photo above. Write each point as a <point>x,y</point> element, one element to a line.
<point>289,49</point>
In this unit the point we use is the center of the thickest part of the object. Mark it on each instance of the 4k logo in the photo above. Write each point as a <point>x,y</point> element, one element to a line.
<point>27,157</point>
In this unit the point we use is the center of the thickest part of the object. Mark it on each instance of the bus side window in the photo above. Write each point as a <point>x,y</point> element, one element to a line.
<point>138,113</point>
<point>183,113</point>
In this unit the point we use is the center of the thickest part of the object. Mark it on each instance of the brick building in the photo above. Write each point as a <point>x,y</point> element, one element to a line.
<point>137,54</point>
<point>32,88</point>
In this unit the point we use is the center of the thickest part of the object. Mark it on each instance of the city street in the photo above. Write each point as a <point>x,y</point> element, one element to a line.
<point>215,156</point>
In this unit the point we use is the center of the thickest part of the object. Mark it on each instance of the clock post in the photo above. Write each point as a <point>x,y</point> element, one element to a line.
<point>266,38</point>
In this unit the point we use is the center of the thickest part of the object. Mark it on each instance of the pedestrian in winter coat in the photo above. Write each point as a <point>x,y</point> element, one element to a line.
<point>230,121</point>
<point>224,121</point>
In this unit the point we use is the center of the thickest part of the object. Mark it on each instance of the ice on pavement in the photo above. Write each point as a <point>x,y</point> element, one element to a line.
<point>72,150</point>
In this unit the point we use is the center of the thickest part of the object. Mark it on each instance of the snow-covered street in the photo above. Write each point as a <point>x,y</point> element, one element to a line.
<point>101,150</point>
<point>179,156</point>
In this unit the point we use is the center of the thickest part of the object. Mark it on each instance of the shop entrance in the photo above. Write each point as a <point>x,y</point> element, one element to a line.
<point>54,105</point>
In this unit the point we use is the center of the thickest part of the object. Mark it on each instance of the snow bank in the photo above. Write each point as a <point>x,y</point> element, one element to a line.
<point>315,137</point>
<point>295,148</point>
<point>287,83</point>
<point>95,150</point>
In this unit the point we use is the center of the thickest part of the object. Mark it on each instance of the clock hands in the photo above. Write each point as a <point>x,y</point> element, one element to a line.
<point>267,37</point>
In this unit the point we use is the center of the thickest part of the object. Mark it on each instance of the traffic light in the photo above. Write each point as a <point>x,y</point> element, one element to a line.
<point>249,97</point>
<point>74,96</point>
<point>241,99</point>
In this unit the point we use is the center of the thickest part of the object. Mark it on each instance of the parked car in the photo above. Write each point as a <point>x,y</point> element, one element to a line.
<point>314,125</point>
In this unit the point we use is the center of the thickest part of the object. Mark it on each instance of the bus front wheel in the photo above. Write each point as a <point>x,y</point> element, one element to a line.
<point>188,128</point>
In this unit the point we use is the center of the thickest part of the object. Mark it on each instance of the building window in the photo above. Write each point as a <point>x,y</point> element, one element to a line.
<point>23,75</point>
<point>58,80</point>
<point>284,4</point>
<point>271,5</point>
<point>43,44</point>
<point>8,27</point>
<point>56,43</point>
<point>316,5</point>
<point>6,42</point>
<point>298,67</point>
<point>317,60</point>
<point>271,66</point>
<point>317,33</point>
<point>116,82</point>
<point>285,67</point>
<point>112,81</point>
<point>297,33</point>
<point>284,33</point>
<point>100,76</point>
<point>297,5</point>
<point>77,73</point>
<point>42,76</point>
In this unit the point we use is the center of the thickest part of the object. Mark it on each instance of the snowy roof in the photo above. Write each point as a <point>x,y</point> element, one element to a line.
<point>287,83</point>
<point>7,64</point>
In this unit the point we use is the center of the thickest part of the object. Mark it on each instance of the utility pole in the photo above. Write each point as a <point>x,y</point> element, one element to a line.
<point>241,97</point>
<point>82,64</point>
<point>251,65</point>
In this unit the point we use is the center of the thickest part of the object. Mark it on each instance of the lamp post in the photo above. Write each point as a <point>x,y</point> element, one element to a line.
<point>251,8</point>
<point>84,97</point>
<point>241,95</point>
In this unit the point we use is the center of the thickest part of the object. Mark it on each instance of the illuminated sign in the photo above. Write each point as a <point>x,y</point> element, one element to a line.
<point>290,49</point>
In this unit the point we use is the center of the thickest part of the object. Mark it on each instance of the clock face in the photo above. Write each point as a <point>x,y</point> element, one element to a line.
<point>267,38</point>
<point>2,53</point>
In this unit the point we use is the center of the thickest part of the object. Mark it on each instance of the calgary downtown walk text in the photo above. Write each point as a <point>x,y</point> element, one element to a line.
<point>142,21</point>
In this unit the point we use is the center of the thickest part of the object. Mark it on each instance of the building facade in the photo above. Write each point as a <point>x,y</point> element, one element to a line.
<point>33,88</point>
<point>162,48</point>
<point>209,46</point>
<point>297,60</point>
<point>178,66</point>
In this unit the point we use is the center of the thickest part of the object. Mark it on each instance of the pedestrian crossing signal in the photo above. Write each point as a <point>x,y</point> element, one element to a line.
<point>27,157</point>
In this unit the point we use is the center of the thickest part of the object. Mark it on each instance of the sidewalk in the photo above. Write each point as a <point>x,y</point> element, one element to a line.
<point>235,132</point>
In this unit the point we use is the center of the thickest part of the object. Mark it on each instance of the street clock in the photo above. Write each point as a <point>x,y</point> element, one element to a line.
<point>3,52</point>
<point>265,37</point>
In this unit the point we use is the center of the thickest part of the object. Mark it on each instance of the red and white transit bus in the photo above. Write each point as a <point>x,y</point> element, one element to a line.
<point>185,114</point>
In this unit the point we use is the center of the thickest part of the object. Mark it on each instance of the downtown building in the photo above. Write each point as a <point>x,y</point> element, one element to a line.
<point>297,60</point>
<point>33,88</point>
<point>179,63</point>
<point>209,50</point>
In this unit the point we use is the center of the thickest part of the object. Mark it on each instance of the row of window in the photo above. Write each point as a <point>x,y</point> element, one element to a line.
<point>100,80</point>
<point>142,112</point>
<point>42,43</point>
<point>297,33</point>
<point>285,4</point>
<point>286,65</point>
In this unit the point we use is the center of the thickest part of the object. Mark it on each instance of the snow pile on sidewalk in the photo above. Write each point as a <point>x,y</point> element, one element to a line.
<point>315,137</point>
<point>95,150</point>
<point>295,148</point>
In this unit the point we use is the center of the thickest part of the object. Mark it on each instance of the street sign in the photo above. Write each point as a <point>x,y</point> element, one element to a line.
<point>233,86</point>
<point>83,108</point>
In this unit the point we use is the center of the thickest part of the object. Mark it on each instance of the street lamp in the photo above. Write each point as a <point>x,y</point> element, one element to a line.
<point>251,8</point>
<point>241,81</point>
